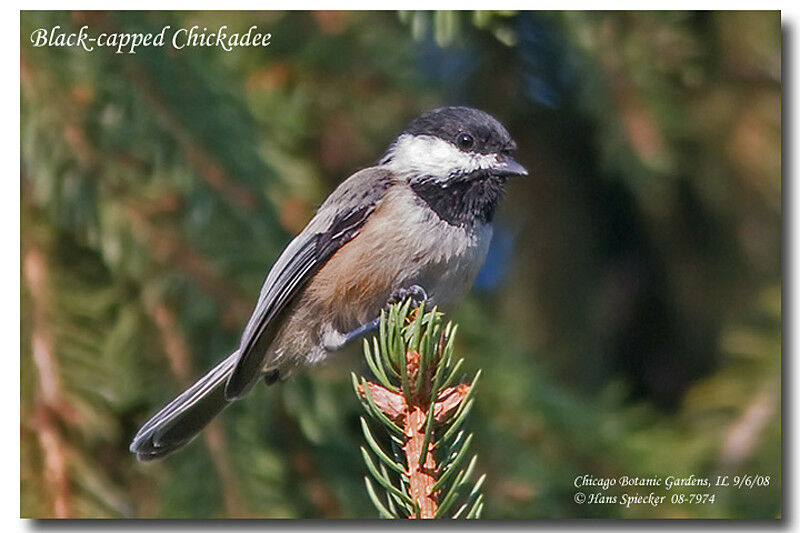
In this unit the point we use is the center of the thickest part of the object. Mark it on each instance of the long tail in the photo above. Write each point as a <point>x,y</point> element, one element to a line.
<point>183,418</point>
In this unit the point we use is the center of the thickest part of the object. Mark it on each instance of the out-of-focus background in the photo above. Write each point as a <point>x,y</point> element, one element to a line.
<point>627,321</point>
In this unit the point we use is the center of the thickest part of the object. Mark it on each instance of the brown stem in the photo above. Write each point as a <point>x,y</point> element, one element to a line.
<point>411,416</point>
<point>421,480</point>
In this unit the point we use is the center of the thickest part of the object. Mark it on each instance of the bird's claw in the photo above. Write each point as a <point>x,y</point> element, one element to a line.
<point>416,293</point>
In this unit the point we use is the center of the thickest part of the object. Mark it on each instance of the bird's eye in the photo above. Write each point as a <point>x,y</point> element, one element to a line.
<point>464,140</point>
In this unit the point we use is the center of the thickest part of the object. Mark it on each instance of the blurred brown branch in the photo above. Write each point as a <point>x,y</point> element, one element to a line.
<point>305,467</point>
<point>177,352</point>
<point>170,250</point>
<point>50,404</point>
<point>744,433</point>
<point>167,247</point>
<point>208,169</point>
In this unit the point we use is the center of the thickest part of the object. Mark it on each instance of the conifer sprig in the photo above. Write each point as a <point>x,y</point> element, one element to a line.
<point>419,403</point>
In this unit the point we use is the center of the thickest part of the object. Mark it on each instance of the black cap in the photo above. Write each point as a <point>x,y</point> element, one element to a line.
<point>471,130</point>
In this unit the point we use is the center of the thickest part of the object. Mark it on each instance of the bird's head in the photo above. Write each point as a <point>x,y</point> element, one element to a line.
<point>453,144</point>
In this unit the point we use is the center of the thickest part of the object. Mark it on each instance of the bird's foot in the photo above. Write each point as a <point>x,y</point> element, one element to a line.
<point>416,293</point>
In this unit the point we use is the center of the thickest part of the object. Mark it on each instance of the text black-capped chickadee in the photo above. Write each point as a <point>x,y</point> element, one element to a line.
<point>416,224</point>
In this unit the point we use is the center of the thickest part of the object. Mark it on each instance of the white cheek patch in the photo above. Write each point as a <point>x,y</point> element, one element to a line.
<point>435,157</point>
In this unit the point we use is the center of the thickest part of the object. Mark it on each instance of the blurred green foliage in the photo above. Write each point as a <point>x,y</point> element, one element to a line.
<point>628,321</point>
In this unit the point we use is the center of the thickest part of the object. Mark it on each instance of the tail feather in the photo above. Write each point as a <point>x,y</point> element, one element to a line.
<point>183,418</point>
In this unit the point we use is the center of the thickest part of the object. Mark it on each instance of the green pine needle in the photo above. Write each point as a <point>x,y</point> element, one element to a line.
<point>385,356</point>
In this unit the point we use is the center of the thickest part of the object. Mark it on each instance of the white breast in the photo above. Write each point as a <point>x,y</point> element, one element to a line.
<point>442,258</point>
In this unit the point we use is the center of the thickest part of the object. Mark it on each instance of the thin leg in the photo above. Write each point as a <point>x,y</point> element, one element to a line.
<point>360,331</point>
<point>334,340</point>
<point>415,292</point>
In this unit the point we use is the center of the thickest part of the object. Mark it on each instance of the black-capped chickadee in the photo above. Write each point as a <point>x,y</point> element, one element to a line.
<point>416,224</point>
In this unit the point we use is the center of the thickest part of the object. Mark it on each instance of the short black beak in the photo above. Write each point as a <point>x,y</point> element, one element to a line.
<point>507,166</point>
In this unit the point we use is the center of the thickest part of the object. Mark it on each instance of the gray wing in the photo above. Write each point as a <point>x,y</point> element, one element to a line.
<point>337,221</point>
